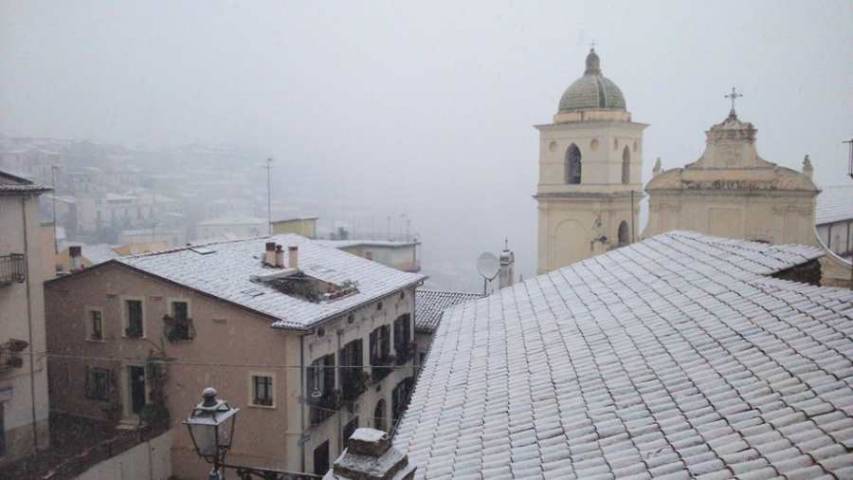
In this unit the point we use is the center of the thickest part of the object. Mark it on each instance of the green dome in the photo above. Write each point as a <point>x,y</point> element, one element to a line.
<point>593,91</point>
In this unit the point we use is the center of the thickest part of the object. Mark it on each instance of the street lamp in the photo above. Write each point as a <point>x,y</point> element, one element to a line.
<point>211,427</point>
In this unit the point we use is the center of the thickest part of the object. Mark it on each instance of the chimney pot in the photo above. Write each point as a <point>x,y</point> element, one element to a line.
<point>293,257</point>
<point>269,254</point>
<point>76,254</point>
<point>279,256</point>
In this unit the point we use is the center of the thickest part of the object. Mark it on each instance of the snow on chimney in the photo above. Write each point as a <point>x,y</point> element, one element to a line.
<point>269,254</point>
<point>279,256</point>
<point>370,456</point>
<point>76,254</point>
<point>293,257</point>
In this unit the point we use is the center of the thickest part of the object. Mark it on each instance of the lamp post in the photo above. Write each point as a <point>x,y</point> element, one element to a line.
<point>211,428</point>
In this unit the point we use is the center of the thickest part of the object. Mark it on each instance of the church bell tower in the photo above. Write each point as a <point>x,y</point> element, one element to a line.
<point>590,163</point>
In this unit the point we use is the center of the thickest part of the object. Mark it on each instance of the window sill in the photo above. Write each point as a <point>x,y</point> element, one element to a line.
<point>97,340</point>
<point>263,407</point>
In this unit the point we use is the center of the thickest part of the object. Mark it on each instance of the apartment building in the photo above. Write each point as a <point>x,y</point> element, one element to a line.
<point>23,369</point>
<point>310,342</point>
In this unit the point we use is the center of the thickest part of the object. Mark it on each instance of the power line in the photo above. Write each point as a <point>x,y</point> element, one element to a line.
<point>177,361</point>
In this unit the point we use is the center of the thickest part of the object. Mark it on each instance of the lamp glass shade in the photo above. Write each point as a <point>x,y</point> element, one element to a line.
<point>204,436</point>
<point>212,430</point>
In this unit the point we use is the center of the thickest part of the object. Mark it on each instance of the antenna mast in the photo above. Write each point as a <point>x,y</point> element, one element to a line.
<point>269,196</point>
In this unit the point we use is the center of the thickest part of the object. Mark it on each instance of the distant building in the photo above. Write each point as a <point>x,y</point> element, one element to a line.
<point>732,192</point>
<point>309,341</point>
<point>590,164</point>
<point>680,356</point>
<point>506,273</point>
<point>23,367</point>
<point>834,219</point>
<point>429,307</point>
<point>402,255</point>
<point>231,228</point>
<point>305,226</point>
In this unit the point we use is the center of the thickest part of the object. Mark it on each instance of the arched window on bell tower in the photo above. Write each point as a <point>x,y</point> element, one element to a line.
<point>573,165</point>
<point>626,166</point>
<point>623,235</point>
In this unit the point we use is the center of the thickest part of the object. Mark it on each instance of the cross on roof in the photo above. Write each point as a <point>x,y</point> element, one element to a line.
<point>592,45</point>
<point>733,96</point>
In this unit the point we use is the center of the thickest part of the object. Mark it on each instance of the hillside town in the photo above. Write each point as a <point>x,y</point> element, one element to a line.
<point>171,313</point>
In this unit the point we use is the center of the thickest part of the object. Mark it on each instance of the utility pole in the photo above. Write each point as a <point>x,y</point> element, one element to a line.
<point>850,166</point>
<point>53,169</point>
<point>269,196</point>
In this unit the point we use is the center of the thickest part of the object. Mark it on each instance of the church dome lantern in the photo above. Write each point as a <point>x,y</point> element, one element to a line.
<point>593,91</point>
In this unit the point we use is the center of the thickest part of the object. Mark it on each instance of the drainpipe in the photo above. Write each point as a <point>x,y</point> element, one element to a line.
<point>340,388</point>
<point>30,324</point>
<point>302,399</point>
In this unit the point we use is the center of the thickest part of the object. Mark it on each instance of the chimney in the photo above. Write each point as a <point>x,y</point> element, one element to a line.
<point>76,254</point>
<point>269,254</point>
<point>369,456</point>
<point>279,256</point>
<point>293,257</point>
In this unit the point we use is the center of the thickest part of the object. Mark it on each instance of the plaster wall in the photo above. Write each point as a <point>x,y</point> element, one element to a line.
<point>23,390</point>
<point>765,216</point>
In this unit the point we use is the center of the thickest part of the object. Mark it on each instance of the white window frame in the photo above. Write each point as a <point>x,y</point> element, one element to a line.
<point>87,323</point>
<point>172,300</point>
<point>251,400</point>
<point>125,320</point>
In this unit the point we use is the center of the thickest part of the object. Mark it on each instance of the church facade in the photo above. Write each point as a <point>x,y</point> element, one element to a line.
<point>730,191</point>
<point>590,164</point>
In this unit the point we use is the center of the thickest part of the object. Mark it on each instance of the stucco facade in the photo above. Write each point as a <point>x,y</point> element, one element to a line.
<point>590,162</point>
<point>732,192</point>
<point>230,346</point>
<point>23,366</point>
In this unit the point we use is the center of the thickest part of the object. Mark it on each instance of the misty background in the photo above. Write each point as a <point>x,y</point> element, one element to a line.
<point>385,114</point>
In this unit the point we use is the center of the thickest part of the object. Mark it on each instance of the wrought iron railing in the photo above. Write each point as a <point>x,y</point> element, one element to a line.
<point>12,268</point>
<point>353,382</point>
<point>381,367</point>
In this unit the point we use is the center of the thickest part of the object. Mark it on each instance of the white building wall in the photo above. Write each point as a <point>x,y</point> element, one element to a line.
<point>151,460</point>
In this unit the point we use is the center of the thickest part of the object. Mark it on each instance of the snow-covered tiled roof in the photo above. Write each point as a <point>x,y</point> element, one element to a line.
<point>834,204</point>
<point>431,304</point>
<point>367,243</point>
<point>675,357</point>
<point>11,184</point>
<point>226,273</point>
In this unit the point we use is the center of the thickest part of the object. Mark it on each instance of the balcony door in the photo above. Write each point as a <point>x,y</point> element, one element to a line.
<point>136,377</point>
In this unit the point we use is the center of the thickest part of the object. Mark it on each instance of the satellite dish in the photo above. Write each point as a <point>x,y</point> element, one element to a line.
<point>488,265</point>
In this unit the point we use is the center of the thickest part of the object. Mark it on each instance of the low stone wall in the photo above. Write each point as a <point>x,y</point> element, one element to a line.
<point>150,460</point>
<point>836,272</point>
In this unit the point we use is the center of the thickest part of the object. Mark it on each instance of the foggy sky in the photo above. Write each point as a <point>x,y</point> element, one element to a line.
<point>426,108</point>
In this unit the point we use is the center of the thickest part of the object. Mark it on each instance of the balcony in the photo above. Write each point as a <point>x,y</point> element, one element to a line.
<point>10,354</point>
<point>324,406</point>
<point>178,329</point>
<point>133,331</point>
<point>381,367</point>
<point>12,269</point>
<point>353,382</point>
<point>405,352</point>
